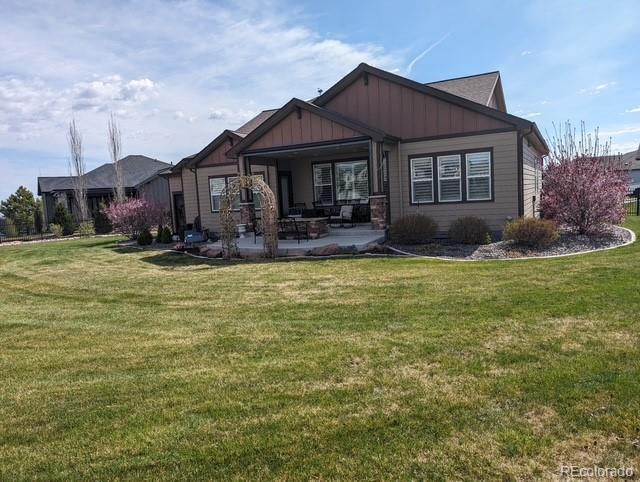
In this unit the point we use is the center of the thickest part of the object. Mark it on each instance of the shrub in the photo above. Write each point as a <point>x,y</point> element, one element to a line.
<point>145,238</point>
<point>536,233</point>
<point>582,187</point>
<point>166,237</point>
<point>413,229</point>
<point>86,229</point>
<point>10,229</point>
<point>101,222</point>
<point>63,218</point>
<point>469,230</point>
<point>134,215</point>
<point>56,230</point>
<point>38,221</point>
<point>159,234</point>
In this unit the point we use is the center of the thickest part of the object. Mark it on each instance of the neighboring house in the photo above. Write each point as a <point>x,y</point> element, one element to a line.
<point>140,175</point>
<point>631,161</point>
<point>387,144</point>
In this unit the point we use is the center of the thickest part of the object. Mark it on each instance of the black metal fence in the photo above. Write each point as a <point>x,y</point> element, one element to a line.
<point>632,204</point>
<point>10,231</point>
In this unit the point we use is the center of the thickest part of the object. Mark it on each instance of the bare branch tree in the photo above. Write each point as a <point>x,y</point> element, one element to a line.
<point>77,169</point>
<point>115,150</point>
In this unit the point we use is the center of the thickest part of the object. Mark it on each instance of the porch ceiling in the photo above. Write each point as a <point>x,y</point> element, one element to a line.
<point>347,147</point>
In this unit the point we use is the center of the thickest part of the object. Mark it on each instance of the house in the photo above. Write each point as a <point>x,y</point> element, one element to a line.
<point>631,161</point>
<point>141,177</point>
<point>388,145</point>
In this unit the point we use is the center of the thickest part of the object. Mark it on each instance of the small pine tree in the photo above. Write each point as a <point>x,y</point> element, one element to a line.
<point>145,238</point>
<point>159,234</point>
<point>63,218</point>
<point>166,235</point>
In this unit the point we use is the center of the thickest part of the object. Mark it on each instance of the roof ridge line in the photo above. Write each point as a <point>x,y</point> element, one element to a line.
<point>463,77</point>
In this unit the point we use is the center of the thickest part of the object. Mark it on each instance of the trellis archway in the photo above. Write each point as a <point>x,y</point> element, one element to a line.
<point>269,221</point>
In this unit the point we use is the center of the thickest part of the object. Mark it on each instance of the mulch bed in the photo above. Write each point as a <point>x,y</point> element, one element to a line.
<point>568,243</point>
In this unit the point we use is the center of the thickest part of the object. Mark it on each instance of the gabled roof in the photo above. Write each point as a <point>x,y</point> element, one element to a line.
<point>135,170</point>
<point>206,150</point>
<point>365,69</point>
<point>294,104</point>
<point>250,125</point>
<point>477,88</point>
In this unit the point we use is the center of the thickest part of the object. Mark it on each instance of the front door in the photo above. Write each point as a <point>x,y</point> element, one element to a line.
<point>179,213</point>
<point>285,192</point>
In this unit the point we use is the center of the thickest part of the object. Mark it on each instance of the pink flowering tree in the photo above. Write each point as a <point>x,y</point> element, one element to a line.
<point>134,215</point>
<point>583,187</point>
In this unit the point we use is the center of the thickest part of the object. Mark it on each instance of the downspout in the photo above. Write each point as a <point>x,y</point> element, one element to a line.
<point>194,170</point>
<point>401,194</point>
<point>521,135</point>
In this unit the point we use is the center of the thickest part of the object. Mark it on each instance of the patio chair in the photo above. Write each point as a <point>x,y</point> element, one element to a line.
<point>291,227</point>
<point>343,218</point>
<point>258,230</point>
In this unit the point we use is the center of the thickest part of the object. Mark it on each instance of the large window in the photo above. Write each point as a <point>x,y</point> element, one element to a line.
<point>478,176</point>
<point>449,178</point>
<point>352,181</point>
<point>323,184</point>
<point>422,180</point>
<point>257,197</point>
<point>216,188</point>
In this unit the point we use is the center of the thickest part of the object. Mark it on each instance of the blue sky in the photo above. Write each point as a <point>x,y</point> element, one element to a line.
<point>177,73</point>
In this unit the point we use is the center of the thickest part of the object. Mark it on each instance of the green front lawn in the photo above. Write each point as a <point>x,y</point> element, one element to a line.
<point>128,364</point>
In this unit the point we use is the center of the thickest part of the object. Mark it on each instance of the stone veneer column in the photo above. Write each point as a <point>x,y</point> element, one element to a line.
<point>378,208</point>
<point>247,214</point>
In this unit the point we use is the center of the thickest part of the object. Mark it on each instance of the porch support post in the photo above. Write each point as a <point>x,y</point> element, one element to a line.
<point>247,209</point>
<point>378,208</point>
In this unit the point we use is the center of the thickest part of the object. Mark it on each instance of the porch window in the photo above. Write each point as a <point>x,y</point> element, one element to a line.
<point>352,181</point>
<point>422,180</point>
<point>323,184</point>
<point>449,178</point>
<point>479,176</point>
<point>216,187</point>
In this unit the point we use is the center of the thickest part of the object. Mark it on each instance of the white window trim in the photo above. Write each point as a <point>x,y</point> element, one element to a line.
<point>478,177</point>
<point>413,179</point>
<point>330,184</point>
<point>459,178</point>
<point>226,184</point>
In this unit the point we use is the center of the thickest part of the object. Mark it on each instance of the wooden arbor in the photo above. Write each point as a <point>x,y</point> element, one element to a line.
<point>269,221</point>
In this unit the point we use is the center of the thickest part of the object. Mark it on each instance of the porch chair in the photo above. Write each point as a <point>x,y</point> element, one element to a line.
<point>291,227</point>
<point>258,230</point>
<point>343,218</point>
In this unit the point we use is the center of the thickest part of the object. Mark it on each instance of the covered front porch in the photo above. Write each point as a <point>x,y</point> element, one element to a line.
<point>320,180</point>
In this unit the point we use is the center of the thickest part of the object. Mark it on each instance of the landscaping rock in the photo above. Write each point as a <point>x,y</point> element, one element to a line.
<point>373,248</point>
<point>212,252</point>
<point>328,250</point>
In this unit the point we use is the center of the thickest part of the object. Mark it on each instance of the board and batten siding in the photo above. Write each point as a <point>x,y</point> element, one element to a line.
<point>505,181</point>
<point>190,198</point>
<point>531,179</point>
<point>211,220</point>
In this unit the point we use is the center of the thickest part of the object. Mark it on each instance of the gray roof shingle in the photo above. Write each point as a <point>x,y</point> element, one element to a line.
<point>477,88</point>
<point>135,169</point>
<point>250,125</point>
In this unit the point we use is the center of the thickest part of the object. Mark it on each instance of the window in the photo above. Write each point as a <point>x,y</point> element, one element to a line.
<point>478,176</point>
<point>323,184</point>
<point>422,180</point>
<point>216,188</point>
<point>449,178</point>
<point>352,181</point>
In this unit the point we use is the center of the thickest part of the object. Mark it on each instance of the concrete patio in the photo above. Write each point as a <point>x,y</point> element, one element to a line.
<point>357,237</point>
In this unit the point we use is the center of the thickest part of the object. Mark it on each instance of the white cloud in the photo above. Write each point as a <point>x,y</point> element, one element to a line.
<point>426,51</point>
<point>525,52</point>
<point>174,85</point>
<point>597,89</point>
<point>621,131</point>
<point>633,110</point>
<point>532,114</point>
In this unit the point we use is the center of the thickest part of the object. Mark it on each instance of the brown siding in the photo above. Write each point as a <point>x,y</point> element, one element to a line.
<point>308,128</point>
<point>405,112</point>
<point>505,180</point>
<point>530,169</point>
<point>218,156</point>
<point>211,220</point>
<point>189,190</point>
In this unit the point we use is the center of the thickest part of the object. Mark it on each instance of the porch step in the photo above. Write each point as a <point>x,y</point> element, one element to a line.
<point>355,231</point>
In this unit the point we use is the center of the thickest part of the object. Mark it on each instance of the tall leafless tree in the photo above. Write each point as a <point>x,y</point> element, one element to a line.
<point>77,169</point>
<point>115,150</point>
